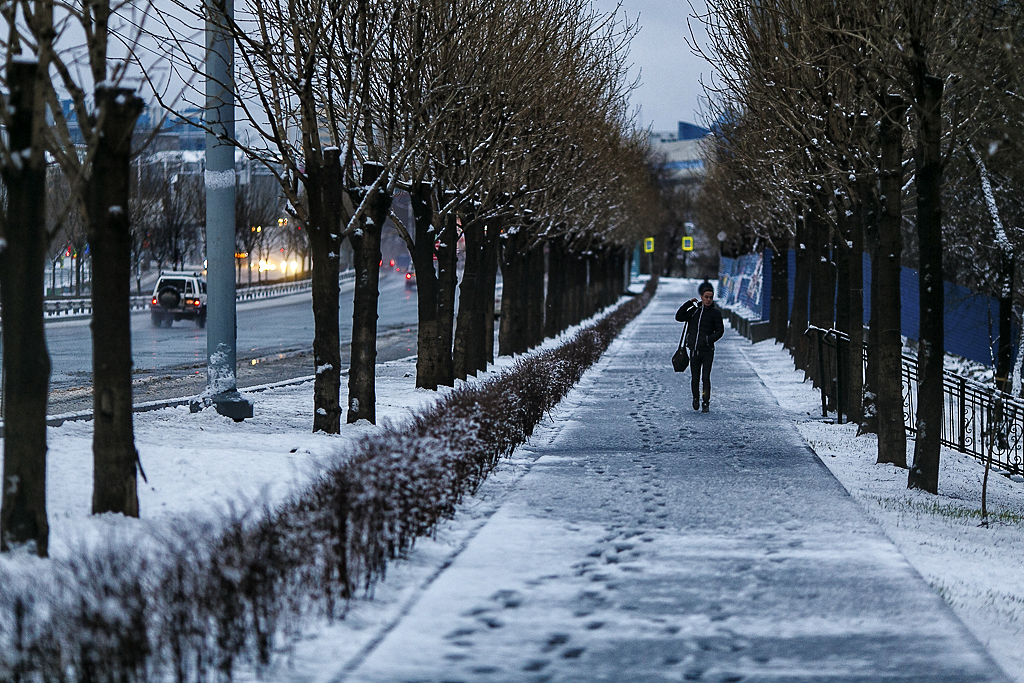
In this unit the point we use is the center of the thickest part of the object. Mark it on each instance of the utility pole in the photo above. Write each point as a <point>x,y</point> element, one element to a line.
<point>221,328</point>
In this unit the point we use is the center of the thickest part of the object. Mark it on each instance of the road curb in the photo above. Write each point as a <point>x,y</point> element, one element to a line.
<point>159,404</point>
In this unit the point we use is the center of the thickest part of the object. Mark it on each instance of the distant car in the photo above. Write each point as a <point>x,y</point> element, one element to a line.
<point>178,296</point>
<point>410,278</point>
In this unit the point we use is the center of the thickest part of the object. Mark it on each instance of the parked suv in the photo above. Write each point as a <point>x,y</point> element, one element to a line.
<point>178,296</point>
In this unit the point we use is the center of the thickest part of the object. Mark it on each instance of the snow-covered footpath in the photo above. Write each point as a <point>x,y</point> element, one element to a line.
<point>976,570</point>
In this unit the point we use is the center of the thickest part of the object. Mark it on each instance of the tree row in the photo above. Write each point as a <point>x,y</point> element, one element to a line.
<point>882,127</point>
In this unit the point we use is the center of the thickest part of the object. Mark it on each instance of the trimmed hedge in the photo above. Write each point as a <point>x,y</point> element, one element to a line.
<point>199,597</point>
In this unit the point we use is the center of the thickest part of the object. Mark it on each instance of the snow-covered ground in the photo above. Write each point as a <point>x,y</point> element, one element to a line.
<point>976,570</point>
<point>198,463</point>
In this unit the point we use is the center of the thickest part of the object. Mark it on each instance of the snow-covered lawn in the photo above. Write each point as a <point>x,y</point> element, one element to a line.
<point>197,463</point>
<point>977,570</point>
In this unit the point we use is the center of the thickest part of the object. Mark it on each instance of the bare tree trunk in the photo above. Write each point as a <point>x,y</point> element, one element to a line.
<point>512,333</point>
<point>588,284</point>
<point>823,285</point>
<point>854,357</point>
<point>447,281</point>
<point>362,390</point>
<point>428,340</point>
<point>554,306</point>
<point>492,242</point>
<point>869,410</point>
<point>597,279</point>
<point>605,270</point>
<point>796,340</point>
<point>572,311</point>
<point>1004,351</point>
<point>323,190</point>
<point>841,257</point>
<point>26,362</point>
<point>924,474</point>
<point>886,308</point>
<point>115,459</point>
<point>468,338</point>
<point>778,312</point>
<point>535,296</point>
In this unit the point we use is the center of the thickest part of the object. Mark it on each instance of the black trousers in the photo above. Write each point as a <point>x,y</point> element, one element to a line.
<point>700,369</point>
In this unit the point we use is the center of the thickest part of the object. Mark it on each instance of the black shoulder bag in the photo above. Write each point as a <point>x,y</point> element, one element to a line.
<point>681,359</point>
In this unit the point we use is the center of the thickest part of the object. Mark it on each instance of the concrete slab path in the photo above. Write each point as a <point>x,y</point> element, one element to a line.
<point>649,542</point>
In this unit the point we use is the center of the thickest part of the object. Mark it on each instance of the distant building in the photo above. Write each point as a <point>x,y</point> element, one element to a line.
<point>683,150</point>
<point>180,130</point>
<point>177,130</point>
<point>689,131</point>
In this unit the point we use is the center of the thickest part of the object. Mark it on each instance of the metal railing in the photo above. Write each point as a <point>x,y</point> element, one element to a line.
<point>976,419</point>
<point>73,308</point>
<point>56,308</point>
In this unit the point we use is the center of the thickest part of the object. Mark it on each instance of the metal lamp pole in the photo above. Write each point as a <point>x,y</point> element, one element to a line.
<point>221,328</point>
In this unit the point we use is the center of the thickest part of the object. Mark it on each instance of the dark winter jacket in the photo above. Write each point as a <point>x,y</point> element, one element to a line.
<point>706,325</point>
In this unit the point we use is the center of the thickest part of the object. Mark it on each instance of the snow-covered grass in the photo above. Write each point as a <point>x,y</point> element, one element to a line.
<point>249,528</point>
<point>977,570</point>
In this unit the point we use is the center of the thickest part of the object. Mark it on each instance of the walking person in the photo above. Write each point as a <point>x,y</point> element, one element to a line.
<point>705,329</point>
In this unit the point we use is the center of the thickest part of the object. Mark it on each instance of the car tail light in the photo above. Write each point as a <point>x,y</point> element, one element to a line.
<point>408,276</point>
<point>154,301</point>
<point>392,262</point>
<point>196,302</point>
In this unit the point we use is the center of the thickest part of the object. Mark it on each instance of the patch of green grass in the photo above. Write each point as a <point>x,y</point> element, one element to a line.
<point>947,510</point>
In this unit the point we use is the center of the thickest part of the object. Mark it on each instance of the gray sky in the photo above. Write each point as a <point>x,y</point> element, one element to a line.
<point>670,89</point>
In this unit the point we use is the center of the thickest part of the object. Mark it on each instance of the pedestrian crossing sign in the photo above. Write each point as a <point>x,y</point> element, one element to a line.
<point>649,245</point>
<point>687,244</point>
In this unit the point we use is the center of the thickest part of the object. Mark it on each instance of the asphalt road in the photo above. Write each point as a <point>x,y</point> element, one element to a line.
<point>647,542</point>
<point>274,343</point>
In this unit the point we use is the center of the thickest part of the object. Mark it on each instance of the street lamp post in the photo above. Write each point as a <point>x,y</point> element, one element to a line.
<point>221,328</point>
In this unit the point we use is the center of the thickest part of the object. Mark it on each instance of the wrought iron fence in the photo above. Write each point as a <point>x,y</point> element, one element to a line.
<point>971,422</point>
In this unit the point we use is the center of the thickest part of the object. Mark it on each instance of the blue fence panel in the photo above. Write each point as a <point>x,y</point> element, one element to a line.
<point>910,314</point>
<point>726,268</point>
<point>970,320</point>
<point>766,284</point>
<point>740,281</point>
<point>750,281</point>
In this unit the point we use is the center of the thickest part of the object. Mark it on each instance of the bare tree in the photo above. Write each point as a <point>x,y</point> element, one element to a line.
<point>23,520</point>
<point>257,207</point>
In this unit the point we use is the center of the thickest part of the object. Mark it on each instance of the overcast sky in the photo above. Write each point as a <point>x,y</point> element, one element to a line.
<point>670,74</point>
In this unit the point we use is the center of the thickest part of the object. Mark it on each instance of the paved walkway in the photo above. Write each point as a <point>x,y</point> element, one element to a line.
<point>652,543</point>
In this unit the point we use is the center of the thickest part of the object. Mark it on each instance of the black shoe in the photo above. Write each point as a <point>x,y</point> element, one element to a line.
<point>696,404</point>
<point>706,408</point>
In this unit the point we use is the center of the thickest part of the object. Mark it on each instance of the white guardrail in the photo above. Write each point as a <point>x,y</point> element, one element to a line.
<point>55,309</point>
